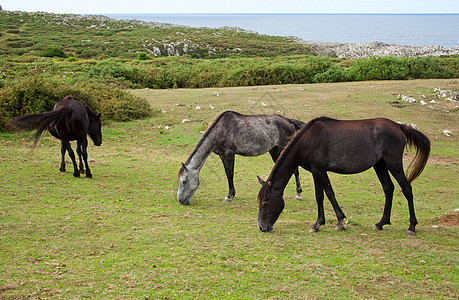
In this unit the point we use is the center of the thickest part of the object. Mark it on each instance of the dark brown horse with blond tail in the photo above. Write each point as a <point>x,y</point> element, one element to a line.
<point>345,147</point>
<point>69,121</point>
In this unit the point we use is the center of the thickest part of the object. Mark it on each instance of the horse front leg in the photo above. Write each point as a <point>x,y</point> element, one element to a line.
<point>319,190</point>
<point>84,152</point>
<point>228,163</point>
<point>331,196</point>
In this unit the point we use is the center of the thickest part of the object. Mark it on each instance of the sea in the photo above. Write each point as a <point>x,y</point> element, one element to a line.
<point>400,29</point>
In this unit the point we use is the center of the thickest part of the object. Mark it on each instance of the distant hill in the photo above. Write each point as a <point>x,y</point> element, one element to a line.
<point>91,36</point>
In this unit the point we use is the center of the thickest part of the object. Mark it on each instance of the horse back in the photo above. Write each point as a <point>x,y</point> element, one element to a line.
<point>252,135</point>
<point>77,122</point>
<point>351,146</point>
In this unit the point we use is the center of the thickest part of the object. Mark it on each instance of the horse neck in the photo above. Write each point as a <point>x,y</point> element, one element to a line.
<point>201,152</point>
<point>283,170</point>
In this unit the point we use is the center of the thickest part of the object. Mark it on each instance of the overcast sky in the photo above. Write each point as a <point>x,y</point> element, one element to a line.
<point>233,6</point>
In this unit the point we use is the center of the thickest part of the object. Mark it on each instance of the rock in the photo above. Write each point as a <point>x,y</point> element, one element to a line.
<point>446,132</point>
<point>365,50</point>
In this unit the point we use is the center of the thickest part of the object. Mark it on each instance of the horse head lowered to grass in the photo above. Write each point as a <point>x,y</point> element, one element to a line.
<point>233,133</point>
<point>69,121</point>
<point>345,147</point>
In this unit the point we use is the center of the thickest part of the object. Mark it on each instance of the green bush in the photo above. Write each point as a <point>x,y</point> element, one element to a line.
<point>378,68</point>
<point>428,67</point>
<point>38,94</point>
<point>142,56</point>
<point>333,74</point>
<point>52,52</point>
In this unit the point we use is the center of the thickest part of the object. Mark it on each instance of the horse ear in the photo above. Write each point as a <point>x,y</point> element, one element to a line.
<point>184,167</point>
<point>100,114</point>
<point>261,181</point>
<point>270,184</point>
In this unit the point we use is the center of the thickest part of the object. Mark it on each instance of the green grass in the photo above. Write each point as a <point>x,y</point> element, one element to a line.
<point>123,234</point>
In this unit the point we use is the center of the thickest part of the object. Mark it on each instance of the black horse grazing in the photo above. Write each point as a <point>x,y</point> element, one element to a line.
<point>345,147</point>
<point>233,133</point>
<point>70,120</point>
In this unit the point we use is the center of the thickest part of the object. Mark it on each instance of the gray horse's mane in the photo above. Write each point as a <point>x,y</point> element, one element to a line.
<point>204,136</point>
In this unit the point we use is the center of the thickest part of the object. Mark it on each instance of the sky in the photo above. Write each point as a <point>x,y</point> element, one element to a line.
<point>232,6</point>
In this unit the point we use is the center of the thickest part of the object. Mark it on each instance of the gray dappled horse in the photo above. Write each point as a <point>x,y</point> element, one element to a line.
<point>233,133</point>
<point>345,147</point>
<point>69,121</point>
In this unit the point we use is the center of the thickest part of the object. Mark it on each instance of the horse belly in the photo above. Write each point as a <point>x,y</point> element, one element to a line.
<point>254,146</point>
<point>355,158</point>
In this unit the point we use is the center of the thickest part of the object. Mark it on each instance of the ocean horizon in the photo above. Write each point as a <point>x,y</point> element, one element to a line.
<point>402,29</point>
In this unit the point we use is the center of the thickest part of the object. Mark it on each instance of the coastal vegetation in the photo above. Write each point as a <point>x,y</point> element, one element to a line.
<point>122,234</point>
<point>44,56</point>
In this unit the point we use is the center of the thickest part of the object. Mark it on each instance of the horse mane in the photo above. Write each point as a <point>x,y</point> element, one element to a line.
<point>204,136</point>
<point>294,140</point>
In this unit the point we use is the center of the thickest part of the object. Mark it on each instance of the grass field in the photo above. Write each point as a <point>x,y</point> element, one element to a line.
<point>123,234</point>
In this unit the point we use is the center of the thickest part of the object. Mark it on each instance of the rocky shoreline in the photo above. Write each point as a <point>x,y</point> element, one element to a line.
<point>365,50</point>
<point>346,50</point>
<point>329,49</point>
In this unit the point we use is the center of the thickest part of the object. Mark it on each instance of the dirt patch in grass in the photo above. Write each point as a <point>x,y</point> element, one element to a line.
<point>440,160</point>
<point>449,220</point>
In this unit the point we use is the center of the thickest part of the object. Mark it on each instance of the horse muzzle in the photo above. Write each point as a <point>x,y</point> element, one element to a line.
<point>265,228</point>
<point>183,201</point>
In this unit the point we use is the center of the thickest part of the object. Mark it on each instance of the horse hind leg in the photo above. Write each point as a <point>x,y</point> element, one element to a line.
<point>408,193</point>
<point>63,150</point>
<point>66,144</point>
<point>388,188</point>
<point>299,190</point>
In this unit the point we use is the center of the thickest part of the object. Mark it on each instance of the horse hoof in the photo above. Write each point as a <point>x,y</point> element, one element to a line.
<point>76,174</point>
<point>88,175</point>
<point>298,198</point>
<point>62,170</point>
<point>312,230</point>
<point>411,233</point>
<point>228,199</point>
<point>376,228</point>
<point>339,228</point>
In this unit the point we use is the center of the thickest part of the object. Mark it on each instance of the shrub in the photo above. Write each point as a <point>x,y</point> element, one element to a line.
<point>37,94</point>
<point>52,51</point>
<point>333,74</point>
<point>428,67</point>
<point>142,56</point>
<point>378,68</point>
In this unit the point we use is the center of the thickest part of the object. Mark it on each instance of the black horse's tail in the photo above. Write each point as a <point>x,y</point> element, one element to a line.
<point>296,123</point>
<point>418,140</point>
<point>40,121</point>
